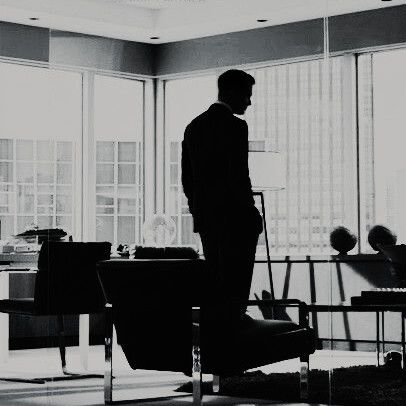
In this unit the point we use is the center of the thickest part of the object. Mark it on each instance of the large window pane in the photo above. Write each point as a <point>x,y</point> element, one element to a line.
<point>119,115</point>
<point>40,123</point>
<point>382,91</point>
<point>184,100</point>
<point>289,115</point>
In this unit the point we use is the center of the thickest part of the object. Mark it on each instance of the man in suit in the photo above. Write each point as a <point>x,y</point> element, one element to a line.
<point>216,182</point>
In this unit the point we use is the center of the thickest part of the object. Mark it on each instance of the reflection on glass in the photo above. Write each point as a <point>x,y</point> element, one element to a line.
<point>44,221</point>
<point>6,149</point>
<point>6,172</point>
<point>173,172</point>
<point>64,151</point>
<point>104,173</point>
<point>63,204</point>
<point>64,222</point>
<point>25,172</point>
<point>126,229</point>
<point>23,222</point>
<point>7,226</point>
<point>45,200</point>
<point>126,206</point>
<point>25,201</point>
<point>104,200</point>
<point>127,151</point>
<point>184,100</point>
<point>104,228</point>
<point>104,210</point>
<point>51,106</point>
<point>25,150</point>
<point>119,130</point>
<point>389,121</point>
<point>105,151</point>
<point>126,173</point>
<point>45,150</point>
<point>64,173</point>
<point>45,173</point>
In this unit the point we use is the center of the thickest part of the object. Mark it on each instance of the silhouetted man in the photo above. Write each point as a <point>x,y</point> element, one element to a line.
<point>216,183</point>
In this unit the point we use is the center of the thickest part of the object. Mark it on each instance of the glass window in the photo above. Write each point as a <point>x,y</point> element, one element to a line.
<point>40,124</point>
<point>118,126</point>
<point>288,114</point>
<point>184,100</point>
<point>382,91</point>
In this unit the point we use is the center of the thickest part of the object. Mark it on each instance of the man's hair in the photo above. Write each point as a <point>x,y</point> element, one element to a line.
<point>234,79</point>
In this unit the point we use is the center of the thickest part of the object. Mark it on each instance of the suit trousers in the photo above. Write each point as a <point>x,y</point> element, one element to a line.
<point>229,249</point>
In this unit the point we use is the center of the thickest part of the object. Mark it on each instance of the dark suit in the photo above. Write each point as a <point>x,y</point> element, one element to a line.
<point>216,183</point>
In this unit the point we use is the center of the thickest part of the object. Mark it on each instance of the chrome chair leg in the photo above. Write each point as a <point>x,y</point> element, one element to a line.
<point>62,347</point>
<point>216,383</point>
<point>304,378</point>
<point>196,362</point>
<point>108,352</point>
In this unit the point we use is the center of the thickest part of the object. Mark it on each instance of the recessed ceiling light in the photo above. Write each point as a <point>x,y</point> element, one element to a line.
<point>153,37</point>
<point>34,18</point>
<point>262,20</point>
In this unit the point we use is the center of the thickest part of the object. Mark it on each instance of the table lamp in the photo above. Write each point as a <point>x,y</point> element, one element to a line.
<point>267,172</point>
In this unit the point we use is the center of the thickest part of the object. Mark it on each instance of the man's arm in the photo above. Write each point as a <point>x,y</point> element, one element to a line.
<point>187,175</point>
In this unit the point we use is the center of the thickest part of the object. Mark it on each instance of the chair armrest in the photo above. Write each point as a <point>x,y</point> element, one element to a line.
<point>302,307</point>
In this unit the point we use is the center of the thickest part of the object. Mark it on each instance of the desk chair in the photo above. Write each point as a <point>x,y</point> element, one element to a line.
<point>66,283</point>
<point>150,303</point>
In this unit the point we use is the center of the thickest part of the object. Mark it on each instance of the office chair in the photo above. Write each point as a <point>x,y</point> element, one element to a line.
<point>66,283</point>
<point>155,308</point>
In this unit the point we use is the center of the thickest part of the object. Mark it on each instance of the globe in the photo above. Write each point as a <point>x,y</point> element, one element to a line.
<point>159,230</point>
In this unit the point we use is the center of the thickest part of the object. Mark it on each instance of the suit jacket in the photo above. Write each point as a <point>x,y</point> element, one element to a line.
<point>215,174</point>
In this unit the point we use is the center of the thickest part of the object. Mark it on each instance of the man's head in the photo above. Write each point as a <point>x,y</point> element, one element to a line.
<point>235,89</point>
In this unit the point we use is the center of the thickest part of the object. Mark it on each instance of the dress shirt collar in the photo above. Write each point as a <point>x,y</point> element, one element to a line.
<point>221,103</point>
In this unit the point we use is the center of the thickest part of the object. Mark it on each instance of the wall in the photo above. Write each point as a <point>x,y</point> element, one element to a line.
<point>23,41</point>
<point>71,49</point>
<point>259,45</point>
<point>94,52</point>
<point>373,28</point>
<point>357,31</point>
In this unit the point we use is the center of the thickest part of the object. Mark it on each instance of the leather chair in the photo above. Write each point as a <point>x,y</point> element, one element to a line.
<point>66,283</point>
<point>150,303</point>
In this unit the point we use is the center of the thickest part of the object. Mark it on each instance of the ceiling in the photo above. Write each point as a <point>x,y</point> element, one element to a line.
<point>172,20</point>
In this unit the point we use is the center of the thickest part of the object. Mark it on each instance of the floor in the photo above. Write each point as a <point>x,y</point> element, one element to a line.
<point>128,384</point>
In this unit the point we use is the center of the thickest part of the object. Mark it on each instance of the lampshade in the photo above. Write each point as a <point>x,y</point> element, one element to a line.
<point>267,170</point>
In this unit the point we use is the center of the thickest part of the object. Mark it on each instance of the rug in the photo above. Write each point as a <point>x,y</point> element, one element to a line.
<point>361,385</point>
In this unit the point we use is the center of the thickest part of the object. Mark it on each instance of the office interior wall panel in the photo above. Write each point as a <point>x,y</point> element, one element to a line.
<point>366,29</point>
<point>86,51</point>
<point>24,42</point>
<point>286,41</point>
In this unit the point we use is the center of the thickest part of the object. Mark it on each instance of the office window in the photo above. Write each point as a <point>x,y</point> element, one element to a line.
<point>310,119</point>
<point>40,131</point>
<point>119,134</point>
<point>184,100</point>
<point>288,114</point>
<point>382,94</point>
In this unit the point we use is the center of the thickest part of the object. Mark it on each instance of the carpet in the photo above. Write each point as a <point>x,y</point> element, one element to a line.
<point>361,385</point>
